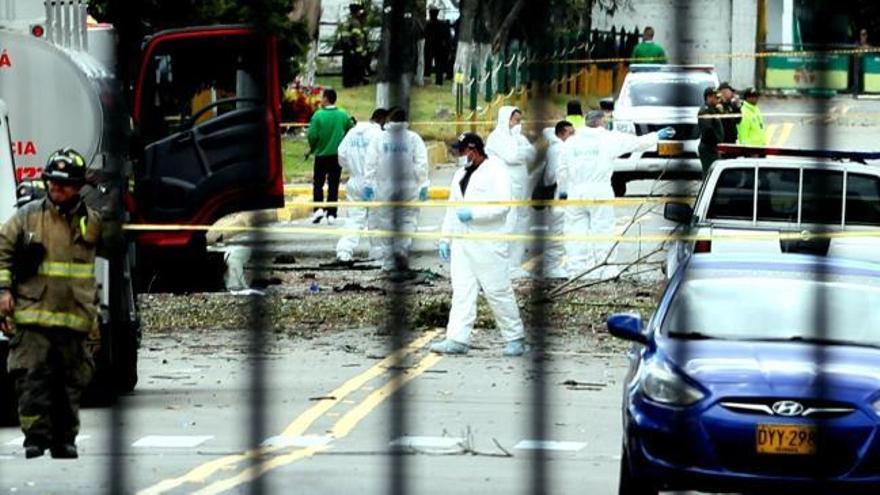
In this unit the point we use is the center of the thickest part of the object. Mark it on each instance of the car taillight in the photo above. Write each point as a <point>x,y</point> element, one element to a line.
<point>704,246</point>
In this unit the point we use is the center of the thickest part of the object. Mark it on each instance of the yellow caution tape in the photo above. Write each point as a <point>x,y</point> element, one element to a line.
<point>525,202</point>
<point>712,56</point>
<point>488,236</point>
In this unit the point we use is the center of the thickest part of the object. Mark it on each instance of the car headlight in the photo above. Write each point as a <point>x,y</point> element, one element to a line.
<point>876,406</point>
<point>625,126</point>
<point>661,384</point>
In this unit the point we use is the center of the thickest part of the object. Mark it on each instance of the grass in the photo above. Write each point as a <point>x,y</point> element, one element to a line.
<point>432,115</point>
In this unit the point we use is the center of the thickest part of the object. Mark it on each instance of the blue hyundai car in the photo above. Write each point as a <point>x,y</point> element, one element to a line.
<point>755,374</point>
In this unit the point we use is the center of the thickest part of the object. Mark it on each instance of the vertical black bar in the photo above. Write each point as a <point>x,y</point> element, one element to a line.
<point>821,142</point>
<point>537,320</point>
<point>682,52</point>
<point>258,308</point>
<point>400,65</point>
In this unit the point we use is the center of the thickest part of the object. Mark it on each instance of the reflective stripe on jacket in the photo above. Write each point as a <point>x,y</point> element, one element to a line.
<point>751,128</point>
<point>59,291</point>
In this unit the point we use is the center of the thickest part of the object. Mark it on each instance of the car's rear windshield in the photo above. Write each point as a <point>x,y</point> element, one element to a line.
<point>776,307</point>
<point>666,93</point>
<point>807,196</point>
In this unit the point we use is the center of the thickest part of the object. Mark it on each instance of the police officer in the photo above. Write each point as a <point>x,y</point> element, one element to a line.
<point>48,297</point>
<point>711,131</point>
<point>353,38</point>
<point>731,108</point>
<point>437,45</point>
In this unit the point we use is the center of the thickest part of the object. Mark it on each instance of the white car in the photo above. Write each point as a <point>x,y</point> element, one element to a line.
<point>746,202</point>
<point>654,97</point>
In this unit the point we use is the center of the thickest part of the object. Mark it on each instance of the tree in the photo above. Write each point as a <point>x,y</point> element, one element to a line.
<point>523,20</point>
<point>135,20</point>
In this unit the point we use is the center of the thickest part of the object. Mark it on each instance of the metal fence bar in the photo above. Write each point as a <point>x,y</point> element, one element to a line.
<point>398,303</point>
<point>822,141</point>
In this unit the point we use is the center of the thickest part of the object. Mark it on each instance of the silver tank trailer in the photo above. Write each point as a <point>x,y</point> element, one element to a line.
<point>59,95</point>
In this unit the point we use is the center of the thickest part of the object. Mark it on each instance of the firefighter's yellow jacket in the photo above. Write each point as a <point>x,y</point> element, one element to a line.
<point>47,259</point>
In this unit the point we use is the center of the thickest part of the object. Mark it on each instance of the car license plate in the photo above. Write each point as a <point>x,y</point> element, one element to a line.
<point>786,439</point>
<point>670,149</point>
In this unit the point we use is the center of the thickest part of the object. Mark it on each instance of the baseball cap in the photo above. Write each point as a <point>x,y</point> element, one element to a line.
<point>468,140</point>
<point>749,92</point>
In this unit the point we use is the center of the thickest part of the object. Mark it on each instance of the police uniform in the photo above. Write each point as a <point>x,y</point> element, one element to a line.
<point>711,134</point>
<point>47,261</point>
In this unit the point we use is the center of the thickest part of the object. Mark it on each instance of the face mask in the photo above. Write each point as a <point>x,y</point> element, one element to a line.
<point>464,161</point>
<point>516,130</point>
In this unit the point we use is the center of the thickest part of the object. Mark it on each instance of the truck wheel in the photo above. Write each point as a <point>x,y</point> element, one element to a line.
<point>116,361</point>
<point>124,348</point>
<point>630,483</point>
<point>125,329</point>
<point>618,184</point>
<point>8,397</point>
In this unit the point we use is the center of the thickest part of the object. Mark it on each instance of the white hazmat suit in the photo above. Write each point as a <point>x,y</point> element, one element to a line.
<point>588,162</point>
<point>353,160</point>
<point>514,151</point>
<point>554,251</point>
<point>481,264</point>
<point>397,169</point>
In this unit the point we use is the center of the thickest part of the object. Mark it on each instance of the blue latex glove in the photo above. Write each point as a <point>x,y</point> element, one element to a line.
<point>445,253</point>
<point>563,195</point>
<point>465,215</point>
<point>423,194</point>
<point>368,193</point>
<point>666,133</point>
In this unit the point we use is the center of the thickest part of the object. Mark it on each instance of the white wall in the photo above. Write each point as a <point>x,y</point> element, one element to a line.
<point>707,28</point>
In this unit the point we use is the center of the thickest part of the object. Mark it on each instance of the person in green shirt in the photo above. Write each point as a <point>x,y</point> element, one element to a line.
<point>326,130</point>
<point>751,128</point>
<point>648,51</point>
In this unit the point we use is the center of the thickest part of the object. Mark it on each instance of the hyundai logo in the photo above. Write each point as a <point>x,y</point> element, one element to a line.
<point>788,408</point>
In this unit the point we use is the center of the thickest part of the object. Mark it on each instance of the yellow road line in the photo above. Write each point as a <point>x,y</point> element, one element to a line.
<point>784,134</point>
<point>771,132</point>
<point>341,429</point>
<point>201,473</point>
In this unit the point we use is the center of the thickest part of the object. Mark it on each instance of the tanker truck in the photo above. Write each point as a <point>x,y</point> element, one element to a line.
<point>197,139</point>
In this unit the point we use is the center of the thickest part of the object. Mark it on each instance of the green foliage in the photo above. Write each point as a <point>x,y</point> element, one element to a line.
<point>134,20</point>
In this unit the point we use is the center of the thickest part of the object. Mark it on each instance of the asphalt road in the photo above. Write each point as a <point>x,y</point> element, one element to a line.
<point>328,406</point>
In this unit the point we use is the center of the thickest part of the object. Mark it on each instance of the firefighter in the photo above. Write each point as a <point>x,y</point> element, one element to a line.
<point>355,52</point>
<point>48,298</point>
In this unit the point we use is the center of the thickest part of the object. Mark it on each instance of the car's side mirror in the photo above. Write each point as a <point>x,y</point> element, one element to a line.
<point>627,326</point>
<point>606,104</point>
<point>678,213</point>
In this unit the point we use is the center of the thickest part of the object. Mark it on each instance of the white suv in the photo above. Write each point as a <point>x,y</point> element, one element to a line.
<point>657,96</point>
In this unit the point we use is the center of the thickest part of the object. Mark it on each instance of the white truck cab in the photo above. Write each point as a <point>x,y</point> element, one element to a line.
<point>655,96</point>
<point>807,196</point>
